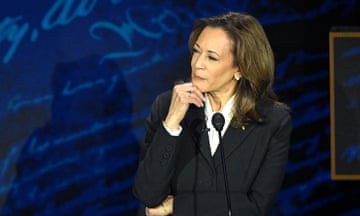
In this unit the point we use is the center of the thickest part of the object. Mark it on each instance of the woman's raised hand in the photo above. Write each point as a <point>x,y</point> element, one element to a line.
<point>182,96</point>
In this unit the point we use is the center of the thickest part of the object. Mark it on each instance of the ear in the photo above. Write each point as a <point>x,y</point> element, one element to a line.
<point>237,75</point>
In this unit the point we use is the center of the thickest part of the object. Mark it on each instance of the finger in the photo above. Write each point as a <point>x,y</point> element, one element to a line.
<point>184,86</point>
<point>198,93</point>
<point>191,89</point>
<point>193,98</point>
<point>196,96</point>
<point>189,94</point>
<point>183,90</point>
<point>157,211</point>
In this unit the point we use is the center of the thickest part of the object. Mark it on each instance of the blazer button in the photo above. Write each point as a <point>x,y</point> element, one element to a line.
<point>166,155</point>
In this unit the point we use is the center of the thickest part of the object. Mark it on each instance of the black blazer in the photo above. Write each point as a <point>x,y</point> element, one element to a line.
<point>183,166</point>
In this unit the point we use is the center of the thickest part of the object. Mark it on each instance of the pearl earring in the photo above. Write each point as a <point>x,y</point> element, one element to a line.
<point>237,78</point>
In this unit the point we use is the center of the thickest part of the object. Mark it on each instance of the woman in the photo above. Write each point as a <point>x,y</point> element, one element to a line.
<point>181,171</point>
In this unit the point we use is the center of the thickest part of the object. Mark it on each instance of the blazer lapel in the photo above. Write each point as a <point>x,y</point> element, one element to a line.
<point>232,139</point>
<point>195,121</point>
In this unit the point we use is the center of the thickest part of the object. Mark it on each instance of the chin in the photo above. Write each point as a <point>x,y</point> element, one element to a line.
<point>202,88</point>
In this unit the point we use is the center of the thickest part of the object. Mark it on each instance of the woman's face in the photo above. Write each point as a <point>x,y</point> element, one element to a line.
<point>212,62</point>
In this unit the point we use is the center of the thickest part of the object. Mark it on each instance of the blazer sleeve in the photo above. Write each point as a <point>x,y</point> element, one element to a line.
<point>268,180</point>
<point>157,160</point>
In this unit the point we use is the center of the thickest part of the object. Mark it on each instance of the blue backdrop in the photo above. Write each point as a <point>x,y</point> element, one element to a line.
<point>78,78</point>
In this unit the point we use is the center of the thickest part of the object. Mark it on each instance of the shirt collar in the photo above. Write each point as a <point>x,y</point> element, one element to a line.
<point>226,111</point>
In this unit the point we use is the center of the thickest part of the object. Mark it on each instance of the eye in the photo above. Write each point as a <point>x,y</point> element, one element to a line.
<point>212,58</point>
<point>194,50</point>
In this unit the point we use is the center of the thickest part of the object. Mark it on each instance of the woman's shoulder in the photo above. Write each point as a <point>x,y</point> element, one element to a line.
<point>273,109</point>
<point>161,103</point>
<point>163,98</point>
<point>165,95</point>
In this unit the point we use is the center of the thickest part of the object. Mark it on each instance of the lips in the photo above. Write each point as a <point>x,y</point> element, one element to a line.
<point>198,77</point>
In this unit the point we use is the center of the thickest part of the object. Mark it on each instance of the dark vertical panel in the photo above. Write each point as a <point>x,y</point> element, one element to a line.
<point>345,90</point>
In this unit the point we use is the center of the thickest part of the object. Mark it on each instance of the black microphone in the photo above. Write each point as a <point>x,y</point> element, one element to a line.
<point>218,122</point>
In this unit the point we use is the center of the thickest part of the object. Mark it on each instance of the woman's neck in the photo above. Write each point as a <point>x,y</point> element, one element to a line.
<point>218,101</point>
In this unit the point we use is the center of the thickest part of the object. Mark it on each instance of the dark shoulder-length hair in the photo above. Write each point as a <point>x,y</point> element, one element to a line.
<point>252,55</point>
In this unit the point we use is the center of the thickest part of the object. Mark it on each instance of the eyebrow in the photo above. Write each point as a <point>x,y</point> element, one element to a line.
<point>210,51</point>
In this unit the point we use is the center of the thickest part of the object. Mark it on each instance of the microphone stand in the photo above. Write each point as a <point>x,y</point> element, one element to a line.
<point>218,121</point>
